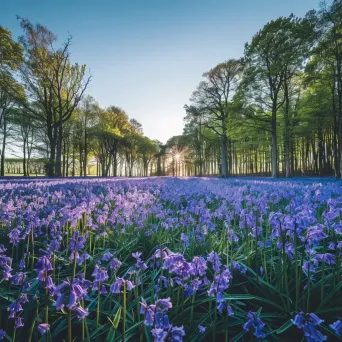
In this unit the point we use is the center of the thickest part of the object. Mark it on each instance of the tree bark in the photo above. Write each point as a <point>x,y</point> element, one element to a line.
<point>274,143</point>
<point>224,161</point>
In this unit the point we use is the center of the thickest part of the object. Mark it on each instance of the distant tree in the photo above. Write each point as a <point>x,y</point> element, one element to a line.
<point>272,59</point>
<point>147,149</point>
<point>53,82</point>
<point>25,129</point>
<point>11,53</point>
<point>130,144</point>
<point>87,116</point>
<point>107,135</point>
<point>214,97</point>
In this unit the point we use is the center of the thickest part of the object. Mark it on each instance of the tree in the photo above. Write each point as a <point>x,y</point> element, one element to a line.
<point>25,132</point>
<point>130,144</point>
<point>53,82</point>
<point>87,115</point>
<point>270,59</point>
<point>108,134</point>
<point>193,130</point>
<point>11,53</point>
<point>11,93</point>
<point>214,97</point>
<point>147,149</point>
<point>329,49</point>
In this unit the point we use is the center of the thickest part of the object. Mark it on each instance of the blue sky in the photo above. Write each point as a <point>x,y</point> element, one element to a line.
<point>147,56</point>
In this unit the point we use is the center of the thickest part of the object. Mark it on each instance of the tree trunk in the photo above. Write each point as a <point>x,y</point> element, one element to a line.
<point>115,164</point>
<point>24,159</point>
<point>58,166</point>
<point>287,159</point>
<point>85,157</point>
<point>274,151</point>
<point>52,156</point>
<point>224,161</point>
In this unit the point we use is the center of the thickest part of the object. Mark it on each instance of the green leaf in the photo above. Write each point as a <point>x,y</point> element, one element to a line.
<point>116,319</point>
<point>242,296</point>
<point>259,311</point>
<point>237,337</point>
<point>285,326</point>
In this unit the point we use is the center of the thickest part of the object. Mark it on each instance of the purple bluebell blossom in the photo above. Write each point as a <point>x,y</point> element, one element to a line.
<point>43,328</point>
<point>326,258</point>
<point>114,264</point>
<point>19,323</point>
<point>14,236</point>
<point>116,286</point>
<point>106,256</point>
<point>177,334</point>
<point>254,321</point>
<point>201,329</point>
<point>214,259</point>
<point>18,279</point>
<point>162,321</point>
<point>299,320</point>
<point>159,335</point>
<point>81,313</point>
<point>337,327</point>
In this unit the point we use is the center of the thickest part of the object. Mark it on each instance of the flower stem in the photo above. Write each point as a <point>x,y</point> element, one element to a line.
<point>322,282</point>
<point>98,306</point>
<point>124,313</point>
<point>69,327</point>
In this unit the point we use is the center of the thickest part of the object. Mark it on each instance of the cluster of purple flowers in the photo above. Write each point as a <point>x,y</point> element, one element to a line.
<point>73,233</point>
<point>309,323</point>
<point>155,315</point>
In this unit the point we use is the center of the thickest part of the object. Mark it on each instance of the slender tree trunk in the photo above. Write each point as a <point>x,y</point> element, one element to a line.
<point>73,162</point>
<point>287,131</point>
<point>2,167</point>
<point>224,161</point>
<point>115,164</point>
<point>274,143</point>
<point>24,158</point>
<point>58,166</point>
<point>52,156</point>
<point>85,157</point>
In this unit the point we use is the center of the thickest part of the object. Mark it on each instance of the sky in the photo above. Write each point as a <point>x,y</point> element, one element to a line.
<point>148,56</point>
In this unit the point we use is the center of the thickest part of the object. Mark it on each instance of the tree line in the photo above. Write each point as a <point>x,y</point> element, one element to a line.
<point>44,112</point>
<point>278,109</point>
<point>275,111</point>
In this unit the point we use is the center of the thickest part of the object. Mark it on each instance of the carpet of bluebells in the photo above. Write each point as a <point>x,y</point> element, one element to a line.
<point>168,259</point>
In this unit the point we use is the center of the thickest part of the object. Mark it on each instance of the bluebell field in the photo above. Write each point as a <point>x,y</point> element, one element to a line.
<point>167,259</point>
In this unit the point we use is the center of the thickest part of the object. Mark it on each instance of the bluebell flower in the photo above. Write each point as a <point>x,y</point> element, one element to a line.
<point>201,329</point>
<point>43,328</point>
<point>81,313</point>
<point>114,264</point>
<point>72,300</point>
<point>299,320</point>
<point>337,327</point>
<point>214,259</point>
<point>162,321</point>
<point>103,289</point>
<point>314,319</point>
<point>59,304</point>
<point>177,334</point>
<point>116,286</point>
<point>106,256</point>
<point>159,335</point>
<point>254,321</point>
<point>19,323</point>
